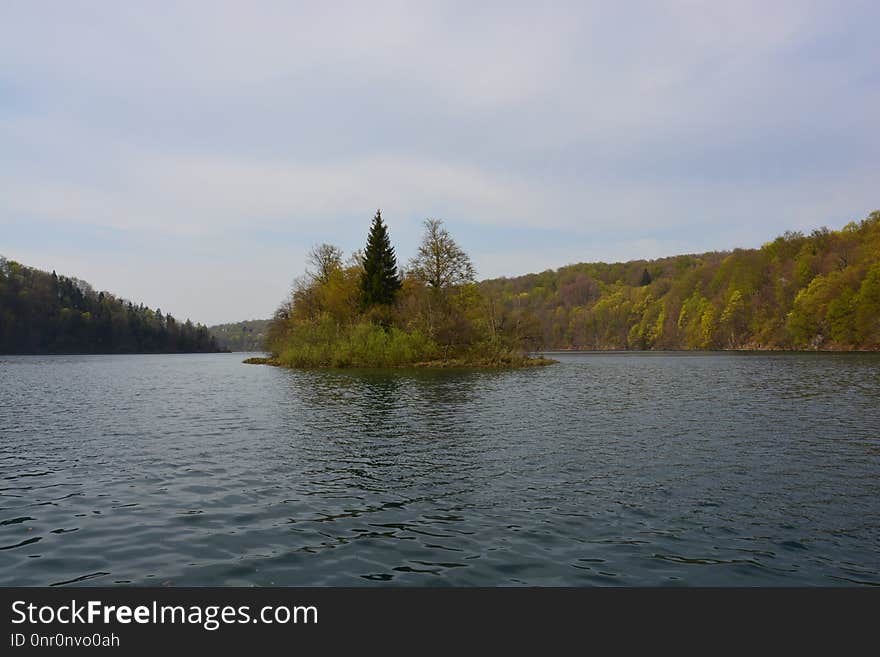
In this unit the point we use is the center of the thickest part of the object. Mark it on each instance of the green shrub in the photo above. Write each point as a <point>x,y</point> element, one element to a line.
<point>326,344</point>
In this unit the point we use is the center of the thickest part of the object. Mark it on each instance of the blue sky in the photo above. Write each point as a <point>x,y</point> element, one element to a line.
<point>188,154</point>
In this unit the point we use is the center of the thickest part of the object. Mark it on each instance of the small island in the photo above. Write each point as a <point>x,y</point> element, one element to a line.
<point>364,312</point>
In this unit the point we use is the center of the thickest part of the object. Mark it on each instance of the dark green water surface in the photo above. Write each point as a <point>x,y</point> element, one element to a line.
<point>608,469</point>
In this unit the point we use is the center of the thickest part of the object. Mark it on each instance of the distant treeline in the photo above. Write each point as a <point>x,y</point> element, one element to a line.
<point>816,291</point>
<point>249,335</point>
<point>45,313</point>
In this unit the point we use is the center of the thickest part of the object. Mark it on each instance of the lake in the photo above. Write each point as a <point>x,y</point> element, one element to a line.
<point>606,469</point>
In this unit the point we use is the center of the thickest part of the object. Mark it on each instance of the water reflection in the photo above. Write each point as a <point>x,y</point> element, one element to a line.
<point>385,451</point>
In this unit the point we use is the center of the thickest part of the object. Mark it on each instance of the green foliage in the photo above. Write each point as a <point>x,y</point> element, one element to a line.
<point>867,309</point>
<point>442,320</point>
<point>327,344</point>
<point>440,263</point>
<point>820,291</point>
<point>46,313</point>
<point>734,323</point>
<point>249,335</point>
<point>379,280</point>
<point>798,291</point>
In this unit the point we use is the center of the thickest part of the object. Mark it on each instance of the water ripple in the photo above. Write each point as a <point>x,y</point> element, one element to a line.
<point>607,469</point>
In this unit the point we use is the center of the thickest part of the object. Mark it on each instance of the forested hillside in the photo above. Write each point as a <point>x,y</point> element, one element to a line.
<point>46,313</point>
<point>249,335</point>
<point>816,291</point>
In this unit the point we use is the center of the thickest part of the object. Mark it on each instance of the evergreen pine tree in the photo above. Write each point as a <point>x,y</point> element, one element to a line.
<point>646,278</point>
<point>379,281</point>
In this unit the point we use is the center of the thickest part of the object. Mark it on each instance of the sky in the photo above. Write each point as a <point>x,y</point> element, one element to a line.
<point>187,155</point>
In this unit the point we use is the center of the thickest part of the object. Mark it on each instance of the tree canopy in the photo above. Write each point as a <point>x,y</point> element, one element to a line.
<point>816,291</point>
<point>46,313</point>
<point>440,263</point>
<point>379,279</point>
<point>325,259</point>
<point>434,315</point>
<point>249,335</point>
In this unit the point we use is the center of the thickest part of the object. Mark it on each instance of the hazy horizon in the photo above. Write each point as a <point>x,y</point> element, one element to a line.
<point>187,155</point>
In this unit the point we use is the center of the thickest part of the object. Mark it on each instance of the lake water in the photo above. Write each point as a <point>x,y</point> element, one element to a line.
<point>606,469</point>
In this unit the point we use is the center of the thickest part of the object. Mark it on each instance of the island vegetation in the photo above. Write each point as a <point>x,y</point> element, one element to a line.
<point>364,312</point>
<point>816,291</point>
<point>43,313</point>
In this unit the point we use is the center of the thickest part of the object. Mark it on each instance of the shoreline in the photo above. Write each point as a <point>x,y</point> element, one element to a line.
<point>455,363</point>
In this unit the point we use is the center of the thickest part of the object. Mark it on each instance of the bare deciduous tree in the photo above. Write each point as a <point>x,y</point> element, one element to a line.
<point>325,258</point>
<point>440,262</point>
